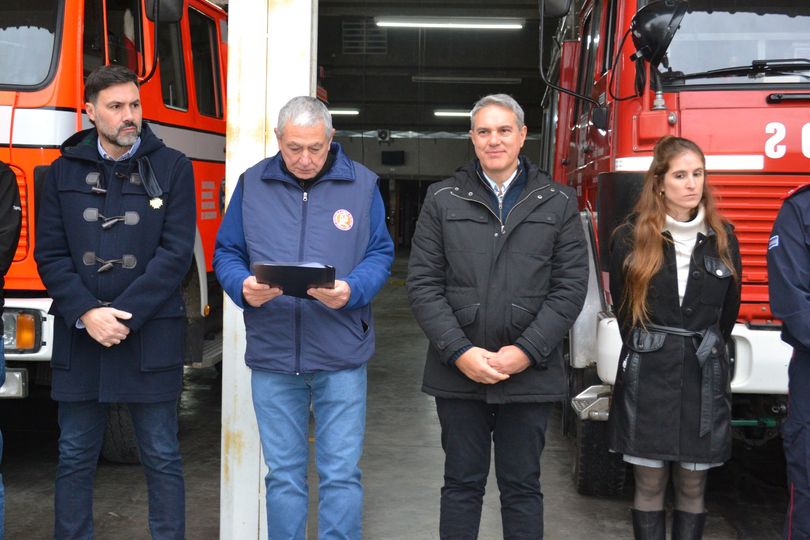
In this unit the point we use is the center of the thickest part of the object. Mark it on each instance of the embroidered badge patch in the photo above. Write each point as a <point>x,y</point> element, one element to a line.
<point>773,242</point>
<point>343,219</point>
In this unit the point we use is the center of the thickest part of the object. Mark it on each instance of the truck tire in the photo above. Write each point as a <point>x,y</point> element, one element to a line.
<point>120,444</point>
<point>195,322</point>
<point>597,471</point>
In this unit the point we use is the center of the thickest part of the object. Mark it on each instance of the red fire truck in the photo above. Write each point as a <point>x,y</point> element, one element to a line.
<point>732,75</point>
<point>178,49</point>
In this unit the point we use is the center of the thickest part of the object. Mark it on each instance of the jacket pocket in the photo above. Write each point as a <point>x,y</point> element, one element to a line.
<point>465,315</point>
<point>643,341</point>
<point>716,281</point>
<point>162,342</point>
<point>463,229</point>
<point>535,235</point>
<point>522,317</point>
<point>62,344</point>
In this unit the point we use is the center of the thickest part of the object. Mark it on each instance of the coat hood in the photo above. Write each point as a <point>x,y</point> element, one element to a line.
<point>84,144</point>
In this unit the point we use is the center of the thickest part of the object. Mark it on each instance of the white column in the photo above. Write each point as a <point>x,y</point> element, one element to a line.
<point>272,45</point>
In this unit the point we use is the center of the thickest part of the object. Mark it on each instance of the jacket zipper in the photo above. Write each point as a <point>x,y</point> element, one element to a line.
<point>298,301</point>
<point>503,227</point>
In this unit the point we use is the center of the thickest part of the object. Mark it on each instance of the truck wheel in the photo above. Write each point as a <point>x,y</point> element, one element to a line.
<point>120,444</point>
<point>597,471</point>
<point>195,322</point>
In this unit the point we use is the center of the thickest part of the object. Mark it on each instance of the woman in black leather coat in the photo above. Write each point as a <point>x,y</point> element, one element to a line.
<point>675,283</point>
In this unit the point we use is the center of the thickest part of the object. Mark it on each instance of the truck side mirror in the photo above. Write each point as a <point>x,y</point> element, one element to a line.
<point>654,26</point>
<point>554,9</point>
<point>168,11</point>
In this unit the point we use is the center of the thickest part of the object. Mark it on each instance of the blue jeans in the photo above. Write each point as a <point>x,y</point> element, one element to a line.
<point>282,404</point>
<point>82,426</point>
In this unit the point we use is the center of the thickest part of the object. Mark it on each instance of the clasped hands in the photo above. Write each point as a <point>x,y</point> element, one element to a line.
<point>105,326</point>
<point>489,367</point>
<point>257,294</point>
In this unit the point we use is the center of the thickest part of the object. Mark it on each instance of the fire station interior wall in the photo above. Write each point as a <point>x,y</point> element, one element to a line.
<point>425,158</point>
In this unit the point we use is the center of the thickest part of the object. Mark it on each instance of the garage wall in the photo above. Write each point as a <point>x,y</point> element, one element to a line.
<point>425,158</point>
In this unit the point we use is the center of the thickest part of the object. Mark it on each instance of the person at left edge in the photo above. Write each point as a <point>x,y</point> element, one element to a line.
<point>309,202</point>
<point>115,238</point>
<point>10,223</point>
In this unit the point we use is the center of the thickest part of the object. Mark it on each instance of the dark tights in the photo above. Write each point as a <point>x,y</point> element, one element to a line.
<point>651,488</point>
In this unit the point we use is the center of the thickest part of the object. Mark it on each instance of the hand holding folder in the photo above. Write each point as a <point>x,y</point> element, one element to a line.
<point>294,278</point>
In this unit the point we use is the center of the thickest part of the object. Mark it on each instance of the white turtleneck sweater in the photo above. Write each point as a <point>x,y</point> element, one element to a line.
<point>684,234</point>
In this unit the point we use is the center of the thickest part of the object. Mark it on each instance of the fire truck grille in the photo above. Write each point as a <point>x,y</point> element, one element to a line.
<point>22,245</point>
<point>751,203</point>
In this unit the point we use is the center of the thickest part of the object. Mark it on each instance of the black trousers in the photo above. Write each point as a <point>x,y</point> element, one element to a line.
<point>796,442</point>
<point>518,431</point>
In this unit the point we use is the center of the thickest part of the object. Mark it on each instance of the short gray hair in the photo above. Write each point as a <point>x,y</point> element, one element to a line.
<point>501,100</point>
<point>304,111</point>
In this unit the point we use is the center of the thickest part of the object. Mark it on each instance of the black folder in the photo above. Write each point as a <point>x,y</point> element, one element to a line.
<point>294,278</point>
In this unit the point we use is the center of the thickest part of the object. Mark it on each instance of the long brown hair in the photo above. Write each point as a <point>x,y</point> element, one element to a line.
<point>647,255</point>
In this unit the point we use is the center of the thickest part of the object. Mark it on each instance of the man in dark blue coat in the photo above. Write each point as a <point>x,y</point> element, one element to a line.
<point>789,286</point>
<point>10,222</point>
<point>115,238</point>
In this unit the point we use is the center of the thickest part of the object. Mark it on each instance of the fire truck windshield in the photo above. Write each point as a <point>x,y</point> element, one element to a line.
<point>28,30</point>
<point>740,43</point>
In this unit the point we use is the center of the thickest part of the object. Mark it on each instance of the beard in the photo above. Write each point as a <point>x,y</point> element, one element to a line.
<point>119,138</point>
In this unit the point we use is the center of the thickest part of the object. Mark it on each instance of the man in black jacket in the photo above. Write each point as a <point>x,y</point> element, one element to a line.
<point>497,275</point>
<point>10,222</point>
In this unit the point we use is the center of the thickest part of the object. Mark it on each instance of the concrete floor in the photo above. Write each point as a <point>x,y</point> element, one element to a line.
<point>402,463</point>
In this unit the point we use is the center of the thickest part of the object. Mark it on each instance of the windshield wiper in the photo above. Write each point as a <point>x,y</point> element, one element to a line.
<point>757,68</point>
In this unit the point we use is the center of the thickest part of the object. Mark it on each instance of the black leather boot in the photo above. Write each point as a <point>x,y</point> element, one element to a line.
<point>687,526</point>
<point>649,525</point>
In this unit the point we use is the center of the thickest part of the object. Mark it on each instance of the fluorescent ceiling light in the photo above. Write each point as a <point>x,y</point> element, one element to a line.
<point>465,80</point>
<point>493,23</point>
<point>465,114</point>
<point>344,112</point>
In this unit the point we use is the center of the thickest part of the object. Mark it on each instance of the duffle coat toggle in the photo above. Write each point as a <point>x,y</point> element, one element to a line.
<point>129,218</point>
<point>126,261</point>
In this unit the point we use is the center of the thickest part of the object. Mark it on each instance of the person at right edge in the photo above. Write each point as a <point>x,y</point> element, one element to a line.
<point>789,287</point>
<point>10,222</point>
<point>675,282</point>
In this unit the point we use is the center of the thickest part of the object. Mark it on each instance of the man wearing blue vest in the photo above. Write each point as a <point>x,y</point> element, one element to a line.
<point>308,203</point>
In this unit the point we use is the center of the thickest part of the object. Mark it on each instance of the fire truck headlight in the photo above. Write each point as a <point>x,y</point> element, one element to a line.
<point>20,331</point>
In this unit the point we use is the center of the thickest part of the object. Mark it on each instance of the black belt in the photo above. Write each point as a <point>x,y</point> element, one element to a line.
<point>705,349</point>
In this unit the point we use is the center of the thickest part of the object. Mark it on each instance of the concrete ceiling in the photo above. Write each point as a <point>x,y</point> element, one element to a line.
<point>405,73</point>
<point>390,74</point>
